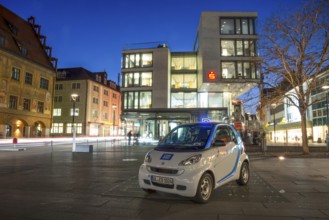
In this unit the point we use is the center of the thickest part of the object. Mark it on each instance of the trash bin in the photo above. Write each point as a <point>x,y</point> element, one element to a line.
<point>14,140</point>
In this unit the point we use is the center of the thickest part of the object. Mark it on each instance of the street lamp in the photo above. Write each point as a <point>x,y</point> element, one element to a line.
<point>273,105</point>
<point>74,97</point>
<point>113,117</point>
<point>326,87</point>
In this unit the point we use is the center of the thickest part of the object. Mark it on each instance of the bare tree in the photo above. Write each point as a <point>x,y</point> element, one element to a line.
<point>294,51</point>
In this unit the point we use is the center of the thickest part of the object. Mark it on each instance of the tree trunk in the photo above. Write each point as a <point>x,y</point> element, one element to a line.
<point>306,149</point>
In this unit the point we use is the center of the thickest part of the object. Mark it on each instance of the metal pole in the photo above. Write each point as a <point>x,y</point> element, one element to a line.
<point>274,127</point>
<point>73,128</point>
<point>327,134</point>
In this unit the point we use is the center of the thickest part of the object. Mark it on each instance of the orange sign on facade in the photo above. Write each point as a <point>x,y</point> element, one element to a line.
<point>212,75</point>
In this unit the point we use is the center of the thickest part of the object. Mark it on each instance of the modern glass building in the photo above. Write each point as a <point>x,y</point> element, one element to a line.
<point>161,89</point>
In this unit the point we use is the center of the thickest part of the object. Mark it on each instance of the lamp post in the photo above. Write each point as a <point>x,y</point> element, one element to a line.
<point>326,87</point>
<point>273,105</point>
<point>74,97</point>
<point>113,117</point>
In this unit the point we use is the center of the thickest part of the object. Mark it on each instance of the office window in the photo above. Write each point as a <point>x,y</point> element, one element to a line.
<point>106,92</point>
<point>105,103</point>
<point>237,26</point>
<point>75,85</point>
<point>183,81</point>
<point>231,70</point>
<point>96,88</point>
<point>183,62</point>
<point>57,128</point>
<point>227,47</point>
<point>184,100</point>
<point>138,79</point>
<point>26,104</point>
<point>137,100</point>
<point>228,70</point>
<point>28,78</point>
<point>114,95</point>
<point>13,101</point>
<point>138,60</point>
<point>227,25</point>
<point>40,107</point>
<point>44,83</point>
<point>238,48</point>
<point>15,74</point>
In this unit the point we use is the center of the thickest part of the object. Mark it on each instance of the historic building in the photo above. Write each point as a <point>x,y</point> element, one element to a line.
<point>162,88</point>
<point>86,101</point>
<point>27,76</point>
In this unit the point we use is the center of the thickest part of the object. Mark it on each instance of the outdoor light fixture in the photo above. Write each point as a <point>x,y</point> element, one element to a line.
<point>74,97</point>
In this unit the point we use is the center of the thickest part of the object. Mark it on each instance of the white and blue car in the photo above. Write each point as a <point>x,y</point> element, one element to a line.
<point>194,159</point>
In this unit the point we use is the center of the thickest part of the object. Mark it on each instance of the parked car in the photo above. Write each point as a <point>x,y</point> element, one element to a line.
<point>194,159</point>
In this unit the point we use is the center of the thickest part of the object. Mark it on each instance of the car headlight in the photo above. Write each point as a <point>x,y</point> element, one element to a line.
<point>191,160</point>
<point>148,158</point>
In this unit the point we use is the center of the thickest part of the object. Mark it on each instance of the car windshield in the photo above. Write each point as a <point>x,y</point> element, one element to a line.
<point>187,137</point>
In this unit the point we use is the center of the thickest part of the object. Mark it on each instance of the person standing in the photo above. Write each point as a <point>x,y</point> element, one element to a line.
<point>129,137</point>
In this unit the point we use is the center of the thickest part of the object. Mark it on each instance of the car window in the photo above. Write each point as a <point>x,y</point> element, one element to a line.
<point>187,136</point>
<point>224,135</point>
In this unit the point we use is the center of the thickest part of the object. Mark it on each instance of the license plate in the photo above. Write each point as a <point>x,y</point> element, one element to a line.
<point>163,180</point>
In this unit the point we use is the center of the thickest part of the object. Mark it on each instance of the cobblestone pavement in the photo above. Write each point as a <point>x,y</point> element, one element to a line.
<point>40,183</point>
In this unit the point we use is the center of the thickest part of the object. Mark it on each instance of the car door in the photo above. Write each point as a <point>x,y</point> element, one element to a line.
<point>226,154</point>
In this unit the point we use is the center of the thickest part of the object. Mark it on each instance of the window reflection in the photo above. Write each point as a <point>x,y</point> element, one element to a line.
<point>227,26</point>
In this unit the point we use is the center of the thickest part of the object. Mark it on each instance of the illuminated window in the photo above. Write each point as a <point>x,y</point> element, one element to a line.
<point>137,60</point>
<point>57,112</point>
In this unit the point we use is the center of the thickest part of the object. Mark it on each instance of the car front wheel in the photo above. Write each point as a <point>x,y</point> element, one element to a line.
<point>244,174</point>
<point>205,189</point>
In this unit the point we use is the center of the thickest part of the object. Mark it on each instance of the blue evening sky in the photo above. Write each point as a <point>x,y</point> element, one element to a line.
<point>92,33</point>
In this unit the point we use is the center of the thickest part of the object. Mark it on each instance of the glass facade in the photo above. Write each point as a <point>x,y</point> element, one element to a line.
<point>138,79</point>
<point>137,60</point>
<point>137,100</point>
<point>237,48</point>
<point>237,69</point>
<point>233,26</point>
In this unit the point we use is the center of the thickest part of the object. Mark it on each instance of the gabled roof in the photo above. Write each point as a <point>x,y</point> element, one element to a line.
<point>21,39</point>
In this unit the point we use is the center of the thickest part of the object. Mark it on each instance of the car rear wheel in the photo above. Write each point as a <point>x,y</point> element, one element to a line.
<point>205,189</point>
<point>244,174</point>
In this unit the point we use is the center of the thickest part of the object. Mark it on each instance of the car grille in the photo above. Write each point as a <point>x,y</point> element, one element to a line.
<point>162,170</point>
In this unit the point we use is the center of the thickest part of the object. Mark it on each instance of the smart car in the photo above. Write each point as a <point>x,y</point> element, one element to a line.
<point>194,159</point>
